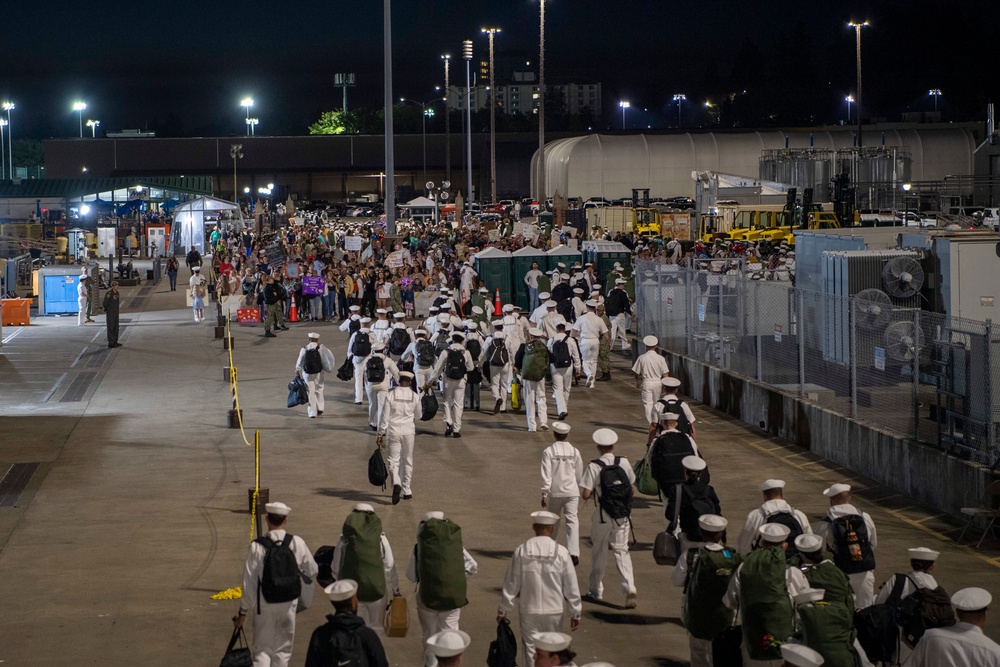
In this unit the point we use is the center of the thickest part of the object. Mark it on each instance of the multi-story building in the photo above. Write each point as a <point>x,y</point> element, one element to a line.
<point>519,95</point>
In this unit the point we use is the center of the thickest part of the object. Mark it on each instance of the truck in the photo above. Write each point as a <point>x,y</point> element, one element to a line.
<point>624,219</point>
<point>771,222</point>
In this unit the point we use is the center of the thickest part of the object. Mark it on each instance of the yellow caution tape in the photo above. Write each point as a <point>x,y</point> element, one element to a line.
<point>234,593</point>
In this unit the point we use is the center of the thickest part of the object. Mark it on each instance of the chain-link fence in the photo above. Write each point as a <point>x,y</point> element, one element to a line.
<point>909,372</point>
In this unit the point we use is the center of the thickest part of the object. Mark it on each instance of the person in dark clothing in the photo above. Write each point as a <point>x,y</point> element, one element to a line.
<point>193,258</point>
<point>697,498</point>
<point>345,635</point>
<point>272,301</point>
<point>112,301</point>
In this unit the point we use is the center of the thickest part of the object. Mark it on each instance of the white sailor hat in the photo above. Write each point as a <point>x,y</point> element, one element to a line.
<point>196,269</point>
<point>483,290</point>
<point>399,316</point>
<point>590,303</point>
<point>550,304</point>
<point>434,515</point>
<point>650,341</point>
<point>670,416</point>
<point>380,311</point>
<point>448,643</point>
<point>561,265</point>
<point>670,382</point>
<point>971,599</point>
<point>923,553</point>
<point>312,334</point>
<point>363,507</point>
<point>457,334</point>
<point>406,374</point>
<point>564,276</point>
<point>343,589</point>
<point>365,320</point>
<point>809,595</point>
<point>476,310</point>
<point>588,264</point>
<point>420,332</point>
<point>694,463</point>
<point>605,437</point>
<point>769,484</point>
<point>577,290</point>
<point>508,308</point>
<point>618,265</point>
<point>516,307</point>
<point>836,490</point>
<point>619,281</point>
<point>468,324</point>
<point>553,642</point>
<point>774,533</point>
<point>433,309</point>
<point>712,523</point>
<point>808,543</point>
<point>544,296</point>
<point>278,509</point>
<point>497,323</point>
<point>560,427</point>
<point>596,287</point>
<point>444,317</point>
<point>355,309</point>
<point>801,655</point>
<point>445,291</point>
<point>543,518</point>
<point>536,332</point>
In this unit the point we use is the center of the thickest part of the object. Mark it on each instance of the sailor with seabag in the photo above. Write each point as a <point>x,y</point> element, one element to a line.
<point>313,360</point>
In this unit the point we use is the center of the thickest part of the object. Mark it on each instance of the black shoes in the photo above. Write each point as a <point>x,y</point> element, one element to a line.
<point>396,490</point>
<point>575,559</point>
<point>496,408</point>
<point>408,496</point>
<point>268,334</point>
<point>562,415</point>
<point>283,328</point>
<point>448,430</point>
<point>456,434</point>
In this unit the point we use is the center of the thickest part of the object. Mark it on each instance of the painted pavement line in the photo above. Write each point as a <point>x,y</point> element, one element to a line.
<point>54,387</point>
<point>82,352</point>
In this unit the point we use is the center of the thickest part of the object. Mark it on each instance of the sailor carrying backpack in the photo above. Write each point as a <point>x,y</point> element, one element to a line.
<point>362,345</point>
<point>474,347</point>
<point>561,357</point>
<point>426,354</point>
<point>354,326</point>
<point>280,581</point>
<point>922,610</point>
<point>615,498</point>
<point>375,370</point>
<point>312,363</point>
<point>499,354</point>
<point>536,361</point>
<point>852,550</point>
<point>454,367</point>
<point>788,520</point>
<point>399,340</point>
<point>442,341</point>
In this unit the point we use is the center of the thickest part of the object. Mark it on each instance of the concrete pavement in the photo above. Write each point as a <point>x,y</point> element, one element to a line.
<point>132,510</point>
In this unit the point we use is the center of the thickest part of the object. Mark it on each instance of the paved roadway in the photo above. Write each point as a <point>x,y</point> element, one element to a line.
<point>123,503</point>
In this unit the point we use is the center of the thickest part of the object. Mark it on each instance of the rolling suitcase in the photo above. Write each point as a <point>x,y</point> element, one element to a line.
<point>472,396</point>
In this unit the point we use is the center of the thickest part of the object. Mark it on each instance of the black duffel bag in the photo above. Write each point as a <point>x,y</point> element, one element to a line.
<point>428,406</point>
<point>346,370</point>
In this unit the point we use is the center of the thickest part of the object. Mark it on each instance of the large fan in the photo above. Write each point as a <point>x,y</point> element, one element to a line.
<point>903,340</point>
<point>873,308</point>
<point>903,277</point>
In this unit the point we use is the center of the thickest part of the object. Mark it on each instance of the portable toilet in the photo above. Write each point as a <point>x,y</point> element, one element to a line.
<point>57,290</point>
<point>603,255</point>
<point>76,244</point>
<point>564,254</point>
<point>107,241</point>
<point>522,261</point>
<point>494,268</point>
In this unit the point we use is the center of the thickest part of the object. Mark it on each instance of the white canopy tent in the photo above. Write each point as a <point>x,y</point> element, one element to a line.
<point>189,222</point>
<point>421,208</point>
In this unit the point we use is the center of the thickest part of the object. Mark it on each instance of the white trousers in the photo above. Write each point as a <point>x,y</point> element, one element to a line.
<point>454,402</point>
<point>423,377</point>
<point>373,614</point>
<point>610,536</point>
<point>377,394</point>
<point>589,348</point>
<point>562,382</point>
<point>863,584</point>
<point>314,385</point>
<point>701,651</point>
<point>499,382</point>
<point>650,394</point>
<point>359,380</point>
<point>533,624</point>
<point>81,315</point>
<point>433,622</point>
<point>618,331</point>
<point>273,633</point>
<point>400,460</point>
<point>568,507</point>
<point>535,405</point>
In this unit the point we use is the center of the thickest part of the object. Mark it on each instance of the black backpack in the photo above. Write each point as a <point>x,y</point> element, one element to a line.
<point>375,370</point>
<point>788,520</point>
<point>313,362</point>
<point>503,650</point>
<point>454,367</point>
<point>695,502</point>
<point>347,649</point>
<point>280,581</point>
<point>499,354</point>
<point>377,472</point>
<point>474,347</point>
<point>354,326</point>
<point>399,340</point>
<point>922,610</point>
<point>442,341</point>
<point>561,357</point>
<point>668,451</point>
<point>565,308</point>
<point>878,633</point>
<point>615,497</point>
<point>362,345</point>
<point>675,405</point>
<point>852,550</point>
<point>426,355</point>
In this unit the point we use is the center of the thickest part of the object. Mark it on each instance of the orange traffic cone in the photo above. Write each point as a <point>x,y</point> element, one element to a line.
<point>497,308</point>
<point>293,313</point>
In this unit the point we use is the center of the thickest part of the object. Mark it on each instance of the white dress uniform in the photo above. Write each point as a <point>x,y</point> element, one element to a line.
<point>433,622</point>
<point>541,575</point>
<point>423,375</point>
<point>962,645</point>
<point>578,306</point>
<point>755,519</point>
<point>371,612</point>
<point>562,378</point>
<point>651,367</point>
<point>314,381</point>
<point>399,325</point>
<point>589,328</point>
<point>377,392</point>
<point>346,324</point>
<point>863,583</point>
<point>499,375</point>
<point>922,580</point>
<point>81,302</point>
<point>399,424</point>
<point>359,366</point>
<point>381,330</point>
<point>659,408</point>
<point>607,534</point>
<point>549,322</point>
<point>430,325</point>
<point>562,469</point>
<point>536,407</point>
<point>469,276</point>
<point>454,390</point>
<point>274,623</point>
<point>537,314</point>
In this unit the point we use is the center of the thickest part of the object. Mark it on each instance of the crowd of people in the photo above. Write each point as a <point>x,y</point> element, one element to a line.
<point>789,592</point>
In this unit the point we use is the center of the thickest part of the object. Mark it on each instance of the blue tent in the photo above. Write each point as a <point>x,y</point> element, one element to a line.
<point>127,208</point>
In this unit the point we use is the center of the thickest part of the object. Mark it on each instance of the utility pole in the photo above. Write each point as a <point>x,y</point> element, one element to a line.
<point>541,106</point>
<point>390,162</point>
<point>857,29</point>
<point>467,54</point>
<point>491,32</point>
<point>447,116</point>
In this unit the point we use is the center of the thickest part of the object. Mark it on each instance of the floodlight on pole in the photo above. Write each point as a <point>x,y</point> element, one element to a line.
<point>3,167</point>
<point>679,98</point>
<point>447,115</point>
<point>467,55</point>
<point>235,152</point>
<point>425,112</point>
<point>935,93</point>
<point>246,103</point>
<point>390,156</point>
<point>80,107</point>
<point>541,103</point>
<point>8,107</point>
<point>850,100</point>
<point>251,124</point>
<point>857,29</point>
<point>93,124</point>
<point>624,105</point>
<point>491,33</point>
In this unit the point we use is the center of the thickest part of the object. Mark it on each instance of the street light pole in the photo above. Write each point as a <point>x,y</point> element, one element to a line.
<point>935,93</point>
<point>79,107</point>
<point>235,151</point>
<point>8,107</point>
<point>3,166</point>
<point>390,161</point>
<point>467,54</point>
<point>850,100</point>
<point>679,98</point>
<point>491,32</point>
<point>541,104</point>
<point>624,105</point>
<point>92,124</point>
<point>447,117</point>
<point>857,29</point>
<point>252,124</point>
<point>247,102</point>
<point>425,111</point>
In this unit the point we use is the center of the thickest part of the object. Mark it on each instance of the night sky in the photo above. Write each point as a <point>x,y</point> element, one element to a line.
<point>181,67</point>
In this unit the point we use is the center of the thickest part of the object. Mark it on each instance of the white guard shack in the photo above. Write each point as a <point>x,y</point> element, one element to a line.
<point>189,223</point>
